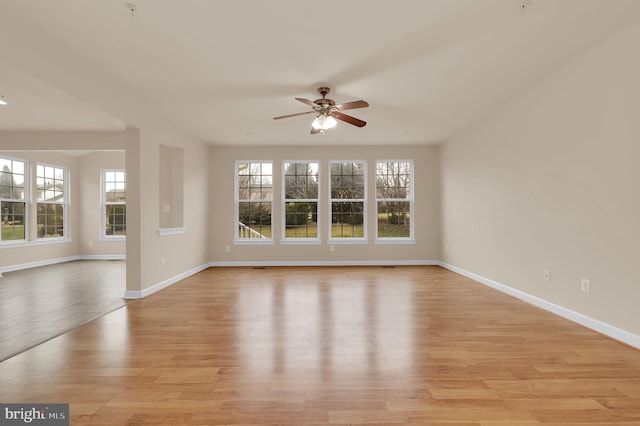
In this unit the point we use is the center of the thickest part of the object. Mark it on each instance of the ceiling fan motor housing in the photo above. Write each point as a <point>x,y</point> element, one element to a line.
<point>324,102</point>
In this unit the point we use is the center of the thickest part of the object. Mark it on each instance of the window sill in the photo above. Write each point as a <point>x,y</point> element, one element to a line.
<point>162,232</point>
<point>395,241</point>
<point>348,241</point>
<point>254,242</point>
<point>117,238</point>
<point>299,241</point>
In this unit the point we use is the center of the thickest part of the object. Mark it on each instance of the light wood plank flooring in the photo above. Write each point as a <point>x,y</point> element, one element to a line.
<point>330,346</point>
<point>40,303</point>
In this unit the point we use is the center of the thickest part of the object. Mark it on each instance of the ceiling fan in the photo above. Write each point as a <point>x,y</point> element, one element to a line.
<point>327,112</point>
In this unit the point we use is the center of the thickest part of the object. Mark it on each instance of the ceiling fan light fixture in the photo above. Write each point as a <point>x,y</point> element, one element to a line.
<point>324,122</point>
<point>328,113</point>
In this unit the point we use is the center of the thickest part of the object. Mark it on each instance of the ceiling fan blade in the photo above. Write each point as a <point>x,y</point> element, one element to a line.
<point>351,105</point>
<point>314,130</point>
<point>348,119</point>
<point>307,101</point>
<point>293,115</point>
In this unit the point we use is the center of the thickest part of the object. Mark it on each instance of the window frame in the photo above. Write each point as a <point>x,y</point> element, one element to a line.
<point>105,204</point>
<point>411,199</point>
<point>64,204</point>
<point>25,201</point>
<point>283,206</point>
<point>236,234</point>
<point>365,200</point>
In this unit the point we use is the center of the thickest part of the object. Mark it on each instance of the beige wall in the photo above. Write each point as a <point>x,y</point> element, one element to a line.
<point>551,182</point>
<point>145,247</point>
<point>427,206</point>
<point>90,167</point>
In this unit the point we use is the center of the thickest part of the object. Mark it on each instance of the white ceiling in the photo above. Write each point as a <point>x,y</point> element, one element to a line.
<point>222,70</point>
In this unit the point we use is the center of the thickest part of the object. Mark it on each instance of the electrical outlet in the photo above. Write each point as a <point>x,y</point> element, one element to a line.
<point>163,261</point>
<point>227,248</point>
<point>332,248</point>
<point>585,285</point>
<point>547,275</point>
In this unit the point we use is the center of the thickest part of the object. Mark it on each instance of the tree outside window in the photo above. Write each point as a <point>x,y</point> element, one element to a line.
<point>394,199</point>
<point>254,200</point>
<point>12,199</point>
<point>348,193</point>
<point>114,199</point>
<point>301,200</point>
<point>51,206</point>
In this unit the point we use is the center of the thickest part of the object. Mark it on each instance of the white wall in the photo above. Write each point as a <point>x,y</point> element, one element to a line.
<point>427,206</point>
<point>551,181</point>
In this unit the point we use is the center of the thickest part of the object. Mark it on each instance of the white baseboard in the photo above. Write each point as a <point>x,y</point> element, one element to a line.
<point>102,257</point>
<point>328,263</point>
<point>139,294</point>
<point>594,324</point>
<point>36,263</point>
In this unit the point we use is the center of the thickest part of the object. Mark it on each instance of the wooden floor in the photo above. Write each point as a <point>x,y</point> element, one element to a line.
<point>330,346</point>
<point>37,304</point>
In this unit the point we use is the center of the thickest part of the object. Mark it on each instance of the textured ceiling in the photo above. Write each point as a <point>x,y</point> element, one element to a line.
<point>222,70</point>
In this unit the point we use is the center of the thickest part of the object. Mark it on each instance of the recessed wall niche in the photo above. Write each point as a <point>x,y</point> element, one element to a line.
<point>171,187</point>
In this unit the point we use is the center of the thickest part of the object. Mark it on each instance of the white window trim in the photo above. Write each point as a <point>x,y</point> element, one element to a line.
<point>394,240</point>
<point>254,241</point>
<point>300,241</point>
<point>236,213</point>
<point>113,238</point>
<point>65,204</point>
<point>348,240</point>
<point>27,204</point>
<point>397,240</point>
<point>292,241</point>
<point>103,182</point>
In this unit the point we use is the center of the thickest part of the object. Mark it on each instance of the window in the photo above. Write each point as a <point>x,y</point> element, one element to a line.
<point>114,198</point>
<point>51,205</point>
<point>12,199</point>
<point>347,189</point>
<point>394,199</point>
<point>254,200</point>
<point>300,197</point>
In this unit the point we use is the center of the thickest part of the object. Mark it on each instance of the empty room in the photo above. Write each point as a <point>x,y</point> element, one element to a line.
<point>292,213</point>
